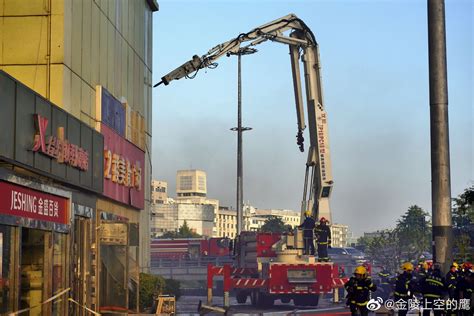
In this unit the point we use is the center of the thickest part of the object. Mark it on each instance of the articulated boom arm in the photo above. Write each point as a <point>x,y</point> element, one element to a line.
<point>318,179</point>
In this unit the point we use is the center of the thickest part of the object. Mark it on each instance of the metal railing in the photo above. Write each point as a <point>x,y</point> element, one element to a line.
<point>189,263</point>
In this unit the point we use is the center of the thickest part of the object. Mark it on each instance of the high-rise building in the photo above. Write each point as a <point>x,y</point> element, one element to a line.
<point>191,183</point>
<point>159,192</point>
<point>76,77</point>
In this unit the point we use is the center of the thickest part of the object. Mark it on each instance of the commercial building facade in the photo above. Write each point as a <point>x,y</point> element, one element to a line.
<point>92,59</point>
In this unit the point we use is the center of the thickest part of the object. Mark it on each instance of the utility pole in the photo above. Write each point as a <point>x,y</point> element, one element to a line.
<point>240,130</point>
<point>439,130</point>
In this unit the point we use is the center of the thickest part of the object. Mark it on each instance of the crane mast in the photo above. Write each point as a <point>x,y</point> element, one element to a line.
<point>302,45</point>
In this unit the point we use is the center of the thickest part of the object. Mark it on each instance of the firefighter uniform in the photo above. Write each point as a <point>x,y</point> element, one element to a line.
<point>385,286</point>
<point>404,286</point>
<point>323,239</point>
<point>358,294</point>
<point>452,279</point>
<point>308,236</point>
<point>432,288</point>
<point>466,286</point>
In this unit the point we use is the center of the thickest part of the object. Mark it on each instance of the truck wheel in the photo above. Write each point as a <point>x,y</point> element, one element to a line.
<point>254,297</point>
<point>265,301</point>
<point>241,297</point>
<point>312,300</point>
<point>298,301</point>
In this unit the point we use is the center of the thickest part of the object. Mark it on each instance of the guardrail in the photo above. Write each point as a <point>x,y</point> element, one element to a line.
<point>188,263</point>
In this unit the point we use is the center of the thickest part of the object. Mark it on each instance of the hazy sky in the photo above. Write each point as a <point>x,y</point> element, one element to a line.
<point>374,56</point>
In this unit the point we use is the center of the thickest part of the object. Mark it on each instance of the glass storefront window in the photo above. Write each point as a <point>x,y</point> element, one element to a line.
<point>59,275</point>
<point>6,268</point>
<point>32,269</point>
<point>113,267</point>
<point>134,271</point>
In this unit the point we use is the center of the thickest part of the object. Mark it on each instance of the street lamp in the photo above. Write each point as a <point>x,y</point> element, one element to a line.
<point>239,129</point>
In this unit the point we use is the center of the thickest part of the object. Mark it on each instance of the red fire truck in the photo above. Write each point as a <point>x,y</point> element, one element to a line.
<point>272,266</point>
<point>268,266</point>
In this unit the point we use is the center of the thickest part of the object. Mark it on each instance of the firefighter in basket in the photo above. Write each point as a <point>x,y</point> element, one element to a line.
<point>308,236</point>
<point>323,239</point>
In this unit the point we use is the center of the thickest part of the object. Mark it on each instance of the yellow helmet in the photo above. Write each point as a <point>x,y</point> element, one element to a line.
<point>407,266</point>
<point>455,264</point>
<point>307,213</point>
<point>360,270</point>
<point>426,266</point>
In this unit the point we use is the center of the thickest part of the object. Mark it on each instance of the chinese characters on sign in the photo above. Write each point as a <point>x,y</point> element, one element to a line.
<point>57,147</point>
<point>121,171</point>
<point>321,132</point>
<point>23,202</point>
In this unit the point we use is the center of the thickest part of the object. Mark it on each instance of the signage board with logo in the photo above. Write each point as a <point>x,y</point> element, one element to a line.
<point>27,203</point>
<point>42,137</point>
<point>124,167</point>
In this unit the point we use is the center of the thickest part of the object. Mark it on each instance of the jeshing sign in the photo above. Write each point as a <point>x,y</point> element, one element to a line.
<point>24,202</point>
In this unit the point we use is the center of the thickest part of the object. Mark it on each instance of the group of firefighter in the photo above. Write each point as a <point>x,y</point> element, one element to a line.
<point>426,281</point>
<point>321,233</point>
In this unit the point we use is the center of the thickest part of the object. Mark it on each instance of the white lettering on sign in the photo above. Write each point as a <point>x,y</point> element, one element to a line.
<point>29,203</point>
<point>23,202</point>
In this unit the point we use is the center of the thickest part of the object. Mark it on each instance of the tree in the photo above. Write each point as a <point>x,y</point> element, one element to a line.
<point>274,224</point>
<point>414,232</point>
<point>463,225</point>
<point>384,249</point>
<point>183,232</point>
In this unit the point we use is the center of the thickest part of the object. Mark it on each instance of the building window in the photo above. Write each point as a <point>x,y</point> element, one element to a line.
<point>186,183</point>
<point>202,183</point>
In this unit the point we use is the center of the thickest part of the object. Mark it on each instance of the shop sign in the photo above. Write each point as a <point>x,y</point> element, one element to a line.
<point>57,147</point>
<point>113,233</point>
<point>123,169</point>
<point>23,202</point>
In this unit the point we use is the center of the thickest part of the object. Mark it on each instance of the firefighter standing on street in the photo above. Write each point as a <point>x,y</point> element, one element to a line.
<point>404,286</point>
<point>384,276</point>
<point>432,288</point>
<point>358,288</point>
<point>466,286</point>
<point>452,279</point>
<point>308,236</point>
<point>323,239</point>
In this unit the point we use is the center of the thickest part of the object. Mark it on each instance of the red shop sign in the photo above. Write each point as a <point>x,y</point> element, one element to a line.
<point>23,202</point>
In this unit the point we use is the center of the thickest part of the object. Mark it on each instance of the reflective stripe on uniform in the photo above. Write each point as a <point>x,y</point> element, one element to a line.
<point>362,304</point>
<point>400,294</point>
<point>435,281</point>
<point>432,295</point>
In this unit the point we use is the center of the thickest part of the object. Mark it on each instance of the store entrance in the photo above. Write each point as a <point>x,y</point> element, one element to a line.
<point>35,253</point>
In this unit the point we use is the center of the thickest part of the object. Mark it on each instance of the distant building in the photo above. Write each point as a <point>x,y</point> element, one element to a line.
<point>376,234</point>
<point>169,217</point>
<point>191,183</point>
<point>159,192</point>
<point>226,219</point>
<point>191,204</point>
<point>339,235</point>
<point>289,217</point>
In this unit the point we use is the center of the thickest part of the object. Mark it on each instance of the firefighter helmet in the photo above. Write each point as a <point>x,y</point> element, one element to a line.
<point>407,266</point>
<point>455,264</point>
<point>323,219</point>
<point>307,213</point>
<point>360,270</point>
<point>426,266</point>
<point>467,265</point>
